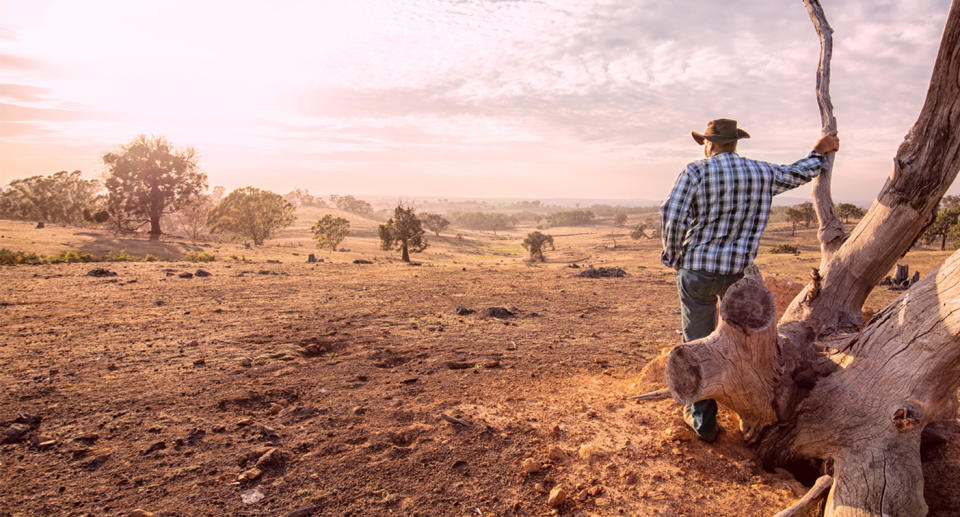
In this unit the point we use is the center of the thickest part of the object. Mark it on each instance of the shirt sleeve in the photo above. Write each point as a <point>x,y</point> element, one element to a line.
<point>675,216</point>
<point>791,176</point>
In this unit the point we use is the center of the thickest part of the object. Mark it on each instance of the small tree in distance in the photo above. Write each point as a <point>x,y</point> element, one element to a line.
<point>435,223</point>
<point>847,211</point>
<point>404,232</point>
<point>252,213</point>
<point>329,231</point>
<point>534,243</point>
<point>620,219</point>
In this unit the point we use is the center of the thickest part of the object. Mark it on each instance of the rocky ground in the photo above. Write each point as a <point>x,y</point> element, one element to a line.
<point>291,389</point>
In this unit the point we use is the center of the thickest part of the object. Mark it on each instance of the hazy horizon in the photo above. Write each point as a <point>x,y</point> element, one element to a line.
<point>487,99</point>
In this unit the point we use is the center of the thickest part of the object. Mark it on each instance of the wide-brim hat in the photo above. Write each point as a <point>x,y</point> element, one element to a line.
<point>720,131</point>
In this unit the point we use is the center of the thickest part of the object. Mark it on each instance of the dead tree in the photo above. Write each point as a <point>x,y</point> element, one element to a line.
<point>822,387</point>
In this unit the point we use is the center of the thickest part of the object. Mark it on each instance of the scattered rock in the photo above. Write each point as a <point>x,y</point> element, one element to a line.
<point>40,225</point>
<point>274,408</point>
<point>459,365</point>
<point>273,458</point>
<point>556,454</point>
<point>202,273</point>
<point>100,272</point>
<point>250,475</point>
<point>677,434</point>
<point>313,350</point>
<point>140,513</point>
<point>299,413</point>
<point>574,266</point>
<point>603,272</point>
<point>185,274</point>
<point>362,261</point>
<point>358,410</point>
<point>245,362</point>
<point>538,487</point>
<point>587,452</point>
<point>557,496</point>
<point>311,258</point>
<point>244,421</point>
<point>95,462</point>
<point>195,435</point>
<point>200,362</point>
<point>252,496</point>
<point>303,511</point>
<point>463,311</point>
<point>273,261</point>
<point>266,433</point>
<point>155,447</point>
<point>493,363</point>
<point>530,466</point>
<point>266,272</point>
<point>497,312</point>
<point>629,477</point>
<point>15,433</point>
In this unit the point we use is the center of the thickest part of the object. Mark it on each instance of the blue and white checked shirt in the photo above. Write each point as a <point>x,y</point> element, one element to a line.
<point>719,206</point>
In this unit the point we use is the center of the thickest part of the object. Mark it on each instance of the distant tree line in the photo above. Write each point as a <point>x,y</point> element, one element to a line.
<point>62,197</point>
<point>151,183</point>
<point>570,218</point>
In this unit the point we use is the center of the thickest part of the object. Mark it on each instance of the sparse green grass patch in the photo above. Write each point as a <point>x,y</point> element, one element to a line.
<point>200,257</point>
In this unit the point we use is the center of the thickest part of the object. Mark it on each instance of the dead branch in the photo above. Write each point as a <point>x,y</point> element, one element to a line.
<point>454,420</point>
<point>663,393</point>
<point>810,503</point>
<point>831,232</point>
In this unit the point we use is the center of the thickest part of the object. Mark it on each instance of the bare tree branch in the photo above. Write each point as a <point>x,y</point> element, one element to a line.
<point>831,233</point>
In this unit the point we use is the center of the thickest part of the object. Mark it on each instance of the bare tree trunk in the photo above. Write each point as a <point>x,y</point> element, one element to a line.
<point>821,386</point>
<point>404,252</point>
<point>155,228</point>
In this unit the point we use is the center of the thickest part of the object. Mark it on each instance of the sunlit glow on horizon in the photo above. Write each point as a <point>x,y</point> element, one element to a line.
<point>473,98</point>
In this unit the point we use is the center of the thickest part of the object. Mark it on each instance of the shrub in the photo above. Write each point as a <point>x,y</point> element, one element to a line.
<point>200,257</point>
<point>785,248</point>
<point>149,258</point>
<point>69,257</point>
<point>123,256</point>
<point>9,258</point>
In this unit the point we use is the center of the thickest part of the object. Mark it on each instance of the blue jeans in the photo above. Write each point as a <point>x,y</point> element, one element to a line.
<point>699,293</point>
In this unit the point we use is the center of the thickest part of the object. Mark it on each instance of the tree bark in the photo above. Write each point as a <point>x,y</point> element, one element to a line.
<point>822,387</point>
<point>404,252</point>
<point>155,228</point>
<point>924,167</point>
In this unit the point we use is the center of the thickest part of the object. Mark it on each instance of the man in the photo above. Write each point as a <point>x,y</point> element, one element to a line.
<point>711,226</point>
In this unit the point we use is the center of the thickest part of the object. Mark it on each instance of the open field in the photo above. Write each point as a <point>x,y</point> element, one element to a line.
<point>148,390</point>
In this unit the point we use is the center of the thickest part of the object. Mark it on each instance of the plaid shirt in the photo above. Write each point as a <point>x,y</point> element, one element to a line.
<point>719,206</point>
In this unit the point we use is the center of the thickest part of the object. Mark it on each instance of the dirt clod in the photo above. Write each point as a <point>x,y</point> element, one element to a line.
<point>602,272</point>
<point>497,312</point>
<point>100,272</point>
<point>530,466</point>
<point>557,496</point>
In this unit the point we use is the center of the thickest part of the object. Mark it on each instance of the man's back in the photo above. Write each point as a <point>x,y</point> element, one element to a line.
<point>714,217</point>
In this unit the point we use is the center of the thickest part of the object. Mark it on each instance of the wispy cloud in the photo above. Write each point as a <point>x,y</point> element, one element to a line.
<point>435,87</point>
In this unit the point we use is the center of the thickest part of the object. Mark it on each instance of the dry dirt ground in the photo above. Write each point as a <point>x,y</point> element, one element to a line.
<point>357,389</point>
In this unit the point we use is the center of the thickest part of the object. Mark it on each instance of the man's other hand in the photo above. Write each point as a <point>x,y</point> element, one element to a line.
<point>827,143</point>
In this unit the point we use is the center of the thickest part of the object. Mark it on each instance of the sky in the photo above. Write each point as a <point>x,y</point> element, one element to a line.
<point>457,98</point>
